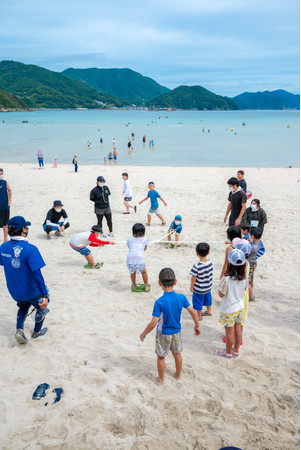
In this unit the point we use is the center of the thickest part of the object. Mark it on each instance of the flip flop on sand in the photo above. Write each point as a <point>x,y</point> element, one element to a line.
<point>59,392</point>
<point>89,266</point>
<point>174,245</point>
<point>140,288</point>
<point>40,391</point>
<point>206,314</point>
<point>223,353</point>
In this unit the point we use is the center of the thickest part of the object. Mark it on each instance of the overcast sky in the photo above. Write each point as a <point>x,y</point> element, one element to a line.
<point>227,46</point>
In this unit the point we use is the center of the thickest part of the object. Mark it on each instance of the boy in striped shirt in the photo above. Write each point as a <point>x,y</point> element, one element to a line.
<point>201,281</point>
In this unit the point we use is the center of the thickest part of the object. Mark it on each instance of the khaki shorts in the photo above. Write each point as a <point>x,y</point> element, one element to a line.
<point>166,342</point>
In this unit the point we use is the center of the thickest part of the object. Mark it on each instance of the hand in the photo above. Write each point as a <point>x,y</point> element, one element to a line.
<point>191,288</point>
<point>113,243</point>
<point>225,219</point>
<point>142,337</point>
<point>237,222</point>
<point>165,203</point>
<point>44,303</point>
<point>61,229</point>
<point>197,331</point>
<point>140,203</point>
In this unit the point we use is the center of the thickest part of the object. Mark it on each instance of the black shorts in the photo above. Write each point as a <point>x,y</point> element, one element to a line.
<point>4,218</point>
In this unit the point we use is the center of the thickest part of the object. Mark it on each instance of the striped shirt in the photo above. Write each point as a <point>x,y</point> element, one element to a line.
<point>203,273</point>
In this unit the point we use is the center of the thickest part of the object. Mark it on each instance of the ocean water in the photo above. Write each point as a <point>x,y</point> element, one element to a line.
<point>269,138</point>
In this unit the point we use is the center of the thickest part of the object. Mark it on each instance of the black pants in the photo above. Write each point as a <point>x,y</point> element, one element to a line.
<point>108,217</point>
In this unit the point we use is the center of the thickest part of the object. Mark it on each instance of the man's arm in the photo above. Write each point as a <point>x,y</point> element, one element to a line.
<point>194,316</point>
<point>193,280</point>
<point>9,193</point>
<point>149,328</point>
<point>227,212</point>
<point>242,211</point>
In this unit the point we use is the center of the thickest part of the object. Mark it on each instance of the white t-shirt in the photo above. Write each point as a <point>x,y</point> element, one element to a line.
<point>234,294</point>
<point>136,250</point>
<point>81,239</point>
<point>127,190</point>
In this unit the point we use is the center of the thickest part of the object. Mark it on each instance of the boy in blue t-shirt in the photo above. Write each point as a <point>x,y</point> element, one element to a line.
<point>175,228</point>
<point>167,317</point>
<point>153,195</point>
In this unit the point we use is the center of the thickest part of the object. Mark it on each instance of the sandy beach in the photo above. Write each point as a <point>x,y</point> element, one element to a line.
<point>92,349</point>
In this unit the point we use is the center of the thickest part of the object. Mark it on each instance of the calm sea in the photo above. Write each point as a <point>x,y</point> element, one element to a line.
<point>181,138</point>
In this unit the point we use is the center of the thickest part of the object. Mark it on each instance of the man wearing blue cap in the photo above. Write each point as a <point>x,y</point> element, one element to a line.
<point>22,264</point>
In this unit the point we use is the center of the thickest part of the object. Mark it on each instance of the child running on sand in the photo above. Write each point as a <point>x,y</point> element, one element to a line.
<point>231,290</point>
<point>127,194</point>
<point>167,317</point>
<point>201,281</point>
<point>135,259</point>
<point>79,242</point>
<point>153,195</point>
<point>175,228</point>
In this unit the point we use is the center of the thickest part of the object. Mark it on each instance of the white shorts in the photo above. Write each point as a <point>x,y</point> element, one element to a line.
<point>151,212</point>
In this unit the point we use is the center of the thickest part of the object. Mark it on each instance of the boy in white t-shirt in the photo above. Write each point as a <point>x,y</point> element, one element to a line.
<point>127,194</point>
<point>135,258</point>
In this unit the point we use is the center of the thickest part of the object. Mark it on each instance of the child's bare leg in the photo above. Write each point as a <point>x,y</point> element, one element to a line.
<point>161,369</point>
<point>169,236</point>
<point>199,313</point>
<point>90,259</point>
<point>209,309</point>
<point>133,279</point>
<point>145,279</point>
<point>149,219</point>
<point>177,240</point>
<point>238,337</point>
<point>161,218</point>
<point>178,363</point>
<point>229,339</point>
<point>126,206</point>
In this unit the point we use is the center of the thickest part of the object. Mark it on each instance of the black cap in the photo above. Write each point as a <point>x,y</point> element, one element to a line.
<point>101,179</point>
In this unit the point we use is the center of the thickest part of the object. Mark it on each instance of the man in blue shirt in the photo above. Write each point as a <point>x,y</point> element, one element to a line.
<point>153,195</point>
<point>167,317</point>
<point>22,263</point>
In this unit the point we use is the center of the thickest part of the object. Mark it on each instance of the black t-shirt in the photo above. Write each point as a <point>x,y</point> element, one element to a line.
<point>55,216</point>
<point>236,200</point>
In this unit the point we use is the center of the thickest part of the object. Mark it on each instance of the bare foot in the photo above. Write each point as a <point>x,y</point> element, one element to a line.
<point>159,381</point>
<point>134,286</point>
<point>177,376</point>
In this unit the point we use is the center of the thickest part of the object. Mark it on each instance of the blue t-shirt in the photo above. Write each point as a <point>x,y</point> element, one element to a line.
<point>3,196</point>
<point>20,259</point>
<point>169,308</point>
<point>177,228</point>
<point>153,198</point>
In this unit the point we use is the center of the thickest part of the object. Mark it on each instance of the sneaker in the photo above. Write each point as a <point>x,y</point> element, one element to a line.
<point>40,333</point>
<point>48,236</point>
<point>163,223</point>
<point>135,209</point>
<point>111,235</point>
<point>20,336</point>
<point>58,234</point>
<point>126,213</point>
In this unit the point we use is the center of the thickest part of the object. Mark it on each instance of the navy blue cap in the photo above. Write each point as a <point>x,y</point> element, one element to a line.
<point>57,203</point>
<point>101,179</point>
<point>18,222</point>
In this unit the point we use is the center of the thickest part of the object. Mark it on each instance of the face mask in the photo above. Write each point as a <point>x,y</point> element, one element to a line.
<point>100,184</point>
<point>58,209</point>
<point>1,177</point>
<point>253,207</point>
<point>231,189</point>
<point>177,222</point>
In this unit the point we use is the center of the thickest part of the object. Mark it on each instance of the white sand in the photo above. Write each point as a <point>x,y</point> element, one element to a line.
<point>93,350</point>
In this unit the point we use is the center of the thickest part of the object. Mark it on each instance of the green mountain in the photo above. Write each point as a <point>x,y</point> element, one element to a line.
<point>279,99</point>
<point>10,102</point>
<point>124,83</point>
<point>42,88</point>
<point>193,97</point>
